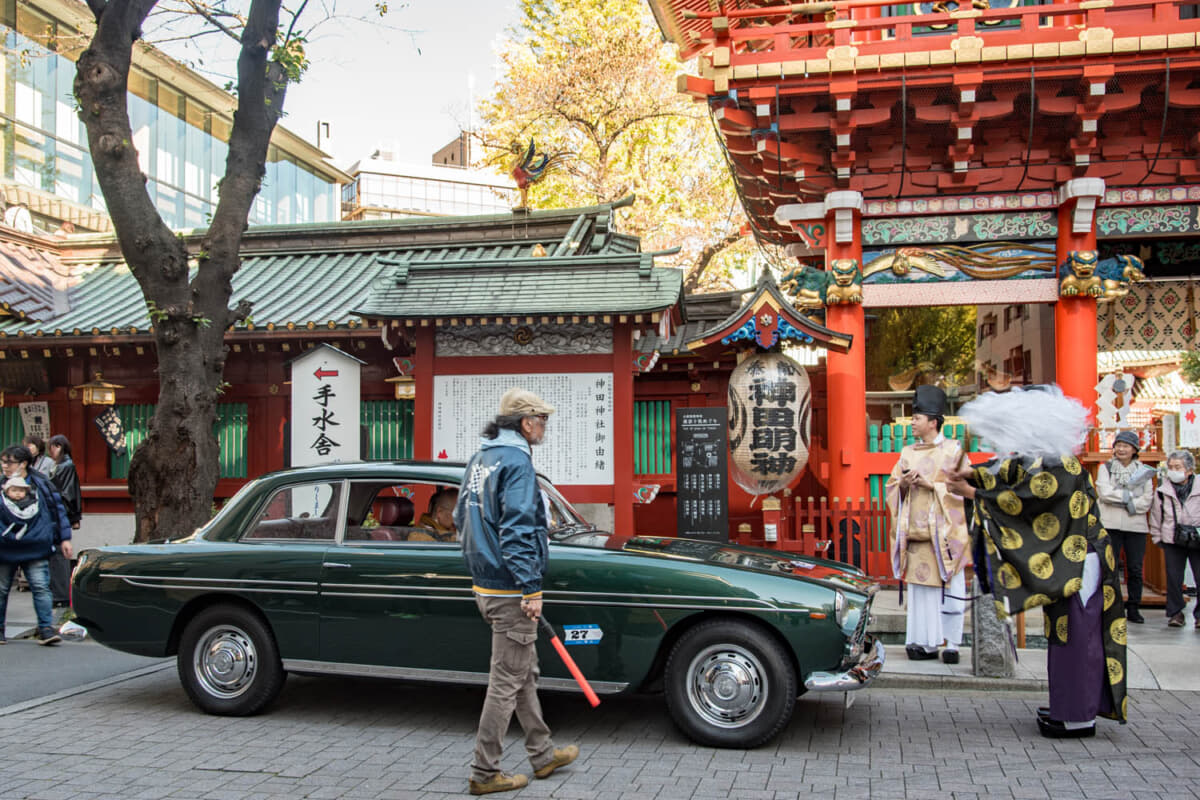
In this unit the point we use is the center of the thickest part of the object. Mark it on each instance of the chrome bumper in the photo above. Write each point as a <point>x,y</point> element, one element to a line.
<point>856,677</point>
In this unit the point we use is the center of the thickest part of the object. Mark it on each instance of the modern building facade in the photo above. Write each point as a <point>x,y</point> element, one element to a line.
<point>181,123</point>
<point>384,187</point>
<point>1014,345</point>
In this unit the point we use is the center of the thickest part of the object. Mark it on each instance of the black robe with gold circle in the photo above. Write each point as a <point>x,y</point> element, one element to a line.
<point>1034,520</point>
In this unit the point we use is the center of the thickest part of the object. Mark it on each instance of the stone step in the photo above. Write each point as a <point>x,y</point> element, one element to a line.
<point>889,618</point>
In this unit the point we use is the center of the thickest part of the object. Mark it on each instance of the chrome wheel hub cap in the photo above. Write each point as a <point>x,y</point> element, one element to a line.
<point>727,686</point>
<point>225,661</point>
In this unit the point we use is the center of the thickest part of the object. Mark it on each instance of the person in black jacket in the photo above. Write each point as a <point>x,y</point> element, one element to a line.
<point>66,480</point>
<point>46,532</point>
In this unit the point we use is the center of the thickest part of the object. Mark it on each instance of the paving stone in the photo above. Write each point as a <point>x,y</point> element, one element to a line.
<point>370,740</point>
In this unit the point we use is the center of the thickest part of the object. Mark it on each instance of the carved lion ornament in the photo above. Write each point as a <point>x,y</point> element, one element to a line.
<point>1078,275</point>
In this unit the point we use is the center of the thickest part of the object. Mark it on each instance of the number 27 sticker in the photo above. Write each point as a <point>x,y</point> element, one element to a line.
<point>582,634</point>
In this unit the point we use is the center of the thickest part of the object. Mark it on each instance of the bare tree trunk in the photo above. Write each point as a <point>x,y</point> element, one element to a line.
<point>173,474</point>
<point>692,281</point>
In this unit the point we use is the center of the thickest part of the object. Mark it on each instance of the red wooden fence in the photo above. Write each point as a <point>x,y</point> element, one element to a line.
<point>852,531</point>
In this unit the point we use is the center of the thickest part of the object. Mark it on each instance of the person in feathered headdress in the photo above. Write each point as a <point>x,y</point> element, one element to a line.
<point>929,546</point>
<point>1039,542</point>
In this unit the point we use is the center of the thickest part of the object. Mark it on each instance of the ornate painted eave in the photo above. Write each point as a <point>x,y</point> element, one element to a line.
<point>901,100</point>
<point>768,318</point>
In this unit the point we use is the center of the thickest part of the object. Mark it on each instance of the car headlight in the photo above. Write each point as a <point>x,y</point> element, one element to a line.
<point>839,608</point>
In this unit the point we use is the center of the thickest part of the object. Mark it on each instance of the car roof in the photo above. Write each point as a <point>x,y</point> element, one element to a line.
<point>417,470</point>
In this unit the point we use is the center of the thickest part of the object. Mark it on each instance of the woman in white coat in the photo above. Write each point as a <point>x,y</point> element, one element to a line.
<point>1125,490</point>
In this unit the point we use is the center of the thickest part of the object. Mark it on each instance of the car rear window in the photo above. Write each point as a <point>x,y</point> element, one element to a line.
<point>306,511</point>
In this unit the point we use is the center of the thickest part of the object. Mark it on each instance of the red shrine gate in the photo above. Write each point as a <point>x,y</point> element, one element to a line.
<point>940,155</point>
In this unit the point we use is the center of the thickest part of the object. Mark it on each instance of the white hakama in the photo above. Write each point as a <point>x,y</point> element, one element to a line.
<point>933,618</point>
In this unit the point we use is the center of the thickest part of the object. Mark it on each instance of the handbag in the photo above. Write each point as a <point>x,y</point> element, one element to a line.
<point>1187,536</point>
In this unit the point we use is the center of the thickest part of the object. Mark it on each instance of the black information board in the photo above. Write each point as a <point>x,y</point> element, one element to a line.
<point>701,470</point>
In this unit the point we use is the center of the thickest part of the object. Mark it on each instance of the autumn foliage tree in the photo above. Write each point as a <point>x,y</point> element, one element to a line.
<point>593,84</point>
<point>173,474</point>
<point>902,338</point>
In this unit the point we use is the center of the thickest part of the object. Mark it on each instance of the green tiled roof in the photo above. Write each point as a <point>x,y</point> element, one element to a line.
<point>313,287</point>
<point>332,274</point>
<point>417,287</point>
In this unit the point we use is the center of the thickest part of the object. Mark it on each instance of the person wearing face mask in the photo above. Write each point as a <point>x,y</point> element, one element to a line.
<point>1176,507</point>
<point>1125,489</point>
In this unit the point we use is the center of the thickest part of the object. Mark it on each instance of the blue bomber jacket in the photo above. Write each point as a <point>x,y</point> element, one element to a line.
<point>501,518</point>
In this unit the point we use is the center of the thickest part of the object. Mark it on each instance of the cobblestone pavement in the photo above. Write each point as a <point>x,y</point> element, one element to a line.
<point>344,738</point>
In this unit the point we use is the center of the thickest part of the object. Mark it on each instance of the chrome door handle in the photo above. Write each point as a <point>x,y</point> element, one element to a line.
<point>335,564</point>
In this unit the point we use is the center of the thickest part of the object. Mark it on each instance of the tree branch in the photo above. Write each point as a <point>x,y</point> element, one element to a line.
<point>709,252</point>
<point>206,13</point>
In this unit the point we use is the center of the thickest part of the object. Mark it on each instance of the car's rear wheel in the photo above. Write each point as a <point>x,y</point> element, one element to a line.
<point>228,662</point>
<point>729,684</point>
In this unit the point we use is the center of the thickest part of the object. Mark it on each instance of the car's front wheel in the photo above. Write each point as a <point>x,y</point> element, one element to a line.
<point>729,684</point>
<point>228,662</point>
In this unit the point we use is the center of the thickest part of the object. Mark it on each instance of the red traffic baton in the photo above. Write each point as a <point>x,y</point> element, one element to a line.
<point>570,662</point>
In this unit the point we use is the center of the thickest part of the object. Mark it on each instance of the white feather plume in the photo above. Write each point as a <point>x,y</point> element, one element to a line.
<point>1033,422</point>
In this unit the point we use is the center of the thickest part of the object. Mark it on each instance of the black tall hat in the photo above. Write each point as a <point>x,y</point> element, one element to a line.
<point>930,401</point>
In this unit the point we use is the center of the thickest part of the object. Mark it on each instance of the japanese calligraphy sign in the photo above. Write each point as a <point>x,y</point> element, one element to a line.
<point>702,500</point>
<point>325,407</point>
<point>35,417</point>
<point>770,418</point>
<point>578,448</point>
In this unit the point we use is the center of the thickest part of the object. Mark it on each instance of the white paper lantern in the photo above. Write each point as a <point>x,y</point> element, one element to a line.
<point>770,421</point>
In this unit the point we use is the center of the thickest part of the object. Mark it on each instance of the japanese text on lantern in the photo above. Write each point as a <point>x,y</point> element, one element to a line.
<point>772,391</point>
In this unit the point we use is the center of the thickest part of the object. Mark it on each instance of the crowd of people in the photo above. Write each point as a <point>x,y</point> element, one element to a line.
<point>40,506</point>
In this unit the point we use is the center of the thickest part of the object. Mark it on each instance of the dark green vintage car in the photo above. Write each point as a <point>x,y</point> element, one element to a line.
<point>329,570</point>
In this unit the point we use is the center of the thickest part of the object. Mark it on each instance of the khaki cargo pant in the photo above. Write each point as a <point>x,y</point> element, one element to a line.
<point>512,686</point>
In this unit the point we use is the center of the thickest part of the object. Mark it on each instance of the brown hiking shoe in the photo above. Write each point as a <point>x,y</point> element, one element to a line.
<point>498,783</point>
<point>1176,621</point>
<point>562,757</point>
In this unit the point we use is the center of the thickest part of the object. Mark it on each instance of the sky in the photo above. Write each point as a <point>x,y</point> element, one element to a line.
<point>407,80</point>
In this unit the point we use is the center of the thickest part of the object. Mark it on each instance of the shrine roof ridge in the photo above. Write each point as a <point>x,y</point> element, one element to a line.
<point>95,294</point>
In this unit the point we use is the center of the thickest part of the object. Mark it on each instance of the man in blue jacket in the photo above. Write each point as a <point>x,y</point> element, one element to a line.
<point>501,520</point>
<point>29,547</point>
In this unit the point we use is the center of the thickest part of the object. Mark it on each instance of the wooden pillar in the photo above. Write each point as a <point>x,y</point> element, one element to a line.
<point>423,371</point>
<point>623,428</point>
<point>1075,334</point>
<point>846,373</point>
<point>268,420</point>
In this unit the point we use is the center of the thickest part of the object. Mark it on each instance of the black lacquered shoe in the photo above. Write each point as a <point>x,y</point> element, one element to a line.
<point>949,656</point>
<point>918,653</point>
<point>1053,729</point>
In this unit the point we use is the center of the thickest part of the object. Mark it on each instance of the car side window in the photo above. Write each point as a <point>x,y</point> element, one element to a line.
<point>308,512</point>
<point>402,513</point>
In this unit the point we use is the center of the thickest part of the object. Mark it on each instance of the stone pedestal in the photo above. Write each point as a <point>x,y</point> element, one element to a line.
<point>991,651</point>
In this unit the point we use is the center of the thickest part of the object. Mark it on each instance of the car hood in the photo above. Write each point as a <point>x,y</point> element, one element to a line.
<point>756,559</point>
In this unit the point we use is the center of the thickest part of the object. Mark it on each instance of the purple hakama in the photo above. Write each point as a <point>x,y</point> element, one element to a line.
<point>1076,670</point>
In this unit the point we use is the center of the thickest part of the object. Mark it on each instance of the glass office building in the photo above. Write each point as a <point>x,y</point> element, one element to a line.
<point>384,188</point>
<point>180,140</point>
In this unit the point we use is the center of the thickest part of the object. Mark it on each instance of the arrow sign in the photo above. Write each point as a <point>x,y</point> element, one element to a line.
<point>322,373</point>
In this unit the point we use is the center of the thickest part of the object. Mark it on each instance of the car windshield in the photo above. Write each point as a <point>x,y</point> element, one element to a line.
<point>566,526</point>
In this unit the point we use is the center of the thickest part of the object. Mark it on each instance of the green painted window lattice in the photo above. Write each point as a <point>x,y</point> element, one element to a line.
<point>12,430</point>
<point>232,438</point>
<point>389,425</point>
<point>652,437</point>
